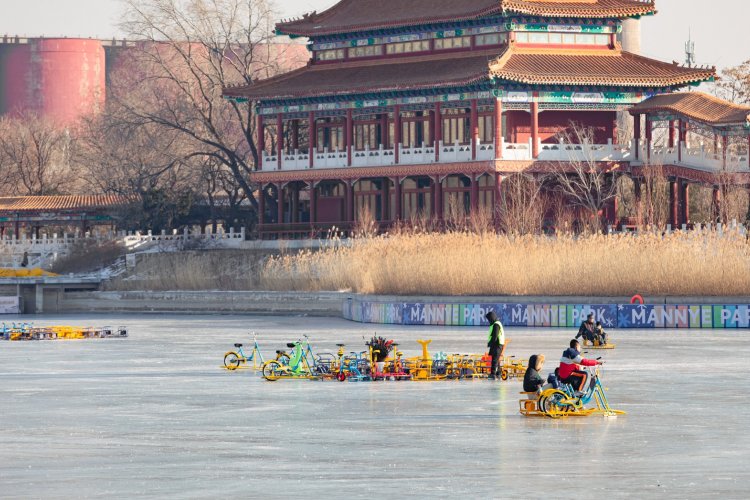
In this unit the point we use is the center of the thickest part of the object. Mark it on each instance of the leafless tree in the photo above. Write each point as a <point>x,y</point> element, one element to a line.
<point>35,156</point>
<point>653,210</point>
<point>580,179</point>
<point>521,208</point>
<point>196,49</point>
<point>734,85</point>
<point>117,156</point>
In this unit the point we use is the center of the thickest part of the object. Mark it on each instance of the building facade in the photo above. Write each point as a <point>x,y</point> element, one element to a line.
<point>422,108</point>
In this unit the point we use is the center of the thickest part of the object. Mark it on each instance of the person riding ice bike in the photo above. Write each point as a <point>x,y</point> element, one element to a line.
<point>571,363</point>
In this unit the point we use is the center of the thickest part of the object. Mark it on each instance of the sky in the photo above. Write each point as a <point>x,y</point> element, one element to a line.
<point>718,31</point>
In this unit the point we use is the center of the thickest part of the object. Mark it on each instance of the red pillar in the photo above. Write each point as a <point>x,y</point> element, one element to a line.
<point>349,136</point>
<point>498,195</point>
<point>280,203</point>
<point>680,139</point>
<point>313,203</point>
<point>385,199</point>
<point>438,198</point>
<point>350,197</point>
<point>498,129</point>
<point>716,202</point>
<point>673,203</point>
<point>685,202</point>
<point>474,129</point>
<point>535,129</point>
<point>474,193</point>
<point>313,137</point>
<point>279,138</point>
<point>439,130</point>
<point>397,195</point>
<point>261,141</point>
<point>724,147</point>
<point>261,205</point>
<point>649,134</point>
<point>637,135</point>
<point>615,130</point>
<point>396,131</point>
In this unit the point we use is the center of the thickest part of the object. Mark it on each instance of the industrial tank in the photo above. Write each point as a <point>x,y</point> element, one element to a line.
<point>57,78</point>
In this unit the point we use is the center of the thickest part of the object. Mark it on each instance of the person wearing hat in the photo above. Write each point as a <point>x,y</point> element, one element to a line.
<point>495,342</point>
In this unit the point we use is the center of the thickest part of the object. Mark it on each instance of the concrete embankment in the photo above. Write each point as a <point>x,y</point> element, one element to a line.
<point>207,302</point>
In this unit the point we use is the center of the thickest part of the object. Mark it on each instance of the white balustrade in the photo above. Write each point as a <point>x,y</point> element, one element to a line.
<point>455,152</point>
<point>331,159</point>
<point>373,157</point>
<point>416,155</point>
<point>295,161</point>
<point>517,150</point>
<point>583,152</point>
<point>486,151</point>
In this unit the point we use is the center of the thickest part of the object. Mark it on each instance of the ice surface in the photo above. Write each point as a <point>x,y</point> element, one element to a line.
<point>153,415</point>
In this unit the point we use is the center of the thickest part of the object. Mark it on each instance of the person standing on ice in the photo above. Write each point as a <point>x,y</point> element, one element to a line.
<point>495,341</point>
<point>571,362</point>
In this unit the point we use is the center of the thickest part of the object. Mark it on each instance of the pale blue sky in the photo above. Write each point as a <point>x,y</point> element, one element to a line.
<point>718,30</point>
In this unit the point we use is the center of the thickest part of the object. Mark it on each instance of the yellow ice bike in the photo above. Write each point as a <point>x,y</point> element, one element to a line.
<point>565,402</point>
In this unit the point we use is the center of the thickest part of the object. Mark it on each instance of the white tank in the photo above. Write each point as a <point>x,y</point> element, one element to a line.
<point>630,38</point>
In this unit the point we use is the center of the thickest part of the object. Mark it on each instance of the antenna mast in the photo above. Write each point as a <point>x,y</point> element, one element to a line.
<point>690,51</point>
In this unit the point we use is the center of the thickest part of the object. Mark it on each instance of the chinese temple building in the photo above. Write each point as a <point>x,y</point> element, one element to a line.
<point>413,108</point>
<point>28,215</point>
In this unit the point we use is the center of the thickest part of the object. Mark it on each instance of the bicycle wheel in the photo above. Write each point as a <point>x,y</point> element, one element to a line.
<point>552,404</point>
<point>231,360</point>
<point>272,371</point>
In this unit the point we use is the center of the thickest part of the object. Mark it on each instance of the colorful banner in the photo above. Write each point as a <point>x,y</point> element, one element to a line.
<point>549,315</point>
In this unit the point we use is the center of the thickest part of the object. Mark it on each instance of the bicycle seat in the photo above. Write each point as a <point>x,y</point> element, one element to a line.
<point>237,345</point>
<point>340,345</point>
<point>290,345</point>
<point>280,352</point>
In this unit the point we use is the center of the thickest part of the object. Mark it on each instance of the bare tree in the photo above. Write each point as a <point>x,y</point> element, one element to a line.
<point>580,179</point>
<point>521,208</point>
<point>734,85</point>
<point>199,47</point>
<point>35,156</point>
<point>653,210</point>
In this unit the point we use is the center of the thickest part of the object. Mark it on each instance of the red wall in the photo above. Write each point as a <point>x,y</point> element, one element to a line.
<point>518,124</point>
<point>59,79</point>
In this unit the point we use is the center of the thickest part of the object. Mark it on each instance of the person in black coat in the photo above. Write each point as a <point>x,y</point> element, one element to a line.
<point>532,380</point>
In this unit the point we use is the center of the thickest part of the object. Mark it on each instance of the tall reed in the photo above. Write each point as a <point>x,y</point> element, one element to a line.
<point>469,263</point>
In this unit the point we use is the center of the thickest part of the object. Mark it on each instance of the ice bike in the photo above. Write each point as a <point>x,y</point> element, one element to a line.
<point>565,402</point>
<point>233,359</point>
<point>303,363</point>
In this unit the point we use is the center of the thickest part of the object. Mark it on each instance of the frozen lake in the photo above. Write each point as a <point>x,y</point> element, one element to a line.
<point>154,416</point>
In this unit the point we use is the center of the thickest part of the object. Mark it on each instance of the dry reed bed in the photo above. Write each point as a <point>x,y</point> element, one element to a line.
<point>694,263</point>
<point>207,270</point>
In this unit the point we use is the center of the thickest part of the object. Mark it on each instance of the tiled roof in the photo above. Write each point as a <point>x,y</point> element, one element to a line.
<point>56,203</point>
<point>519,65</point>
<point>698,106</point>
<point>373,76</point>
<point>350,16</point>
<point>581,8</point>
<point>592,67</point>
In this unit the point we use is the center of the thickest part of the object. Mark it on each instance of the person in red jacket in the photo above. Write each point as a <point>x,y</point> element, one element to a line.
<point>571,362</point>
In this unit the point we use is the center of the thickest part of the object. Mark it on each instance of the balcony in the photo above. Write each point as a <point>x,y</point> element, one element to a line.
<point>698,158</point>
